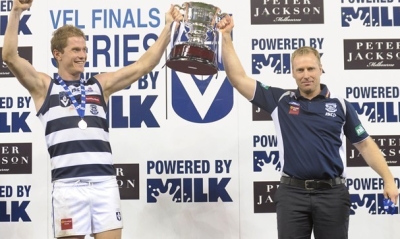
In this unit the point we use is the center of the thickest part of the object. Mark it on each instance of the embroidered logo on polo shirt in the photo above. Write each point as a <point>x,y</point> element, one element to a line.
<point>265,86</point>
<point>359,130</point>
<point>330,108</point>
<point>294,110</point>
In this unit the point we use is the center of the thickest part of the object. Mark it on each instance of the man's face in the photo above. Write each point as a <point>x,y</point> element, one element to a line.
<point>74,57</point>
<point>307,70</point>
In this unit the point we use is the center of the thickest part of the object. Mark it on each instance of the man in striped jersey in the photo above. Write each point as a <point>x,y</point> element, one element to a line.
<point>85,196</point>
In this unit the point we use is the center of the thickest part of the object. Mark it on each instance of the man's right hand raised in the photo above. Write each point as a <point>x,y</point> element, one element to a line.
<point>22,4</point>
<point>226,24</point>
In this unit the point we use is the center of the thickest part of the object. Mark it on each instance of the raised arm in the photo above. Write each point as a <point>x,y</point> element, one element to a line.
<point>374,158</point>
<point>120,79</point>
<point>26,74</point>
<point>233,68</point>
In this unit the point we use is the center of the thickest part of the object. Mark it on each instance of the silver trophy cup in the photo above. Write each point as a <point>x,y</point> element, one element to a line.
<point>193,56</point>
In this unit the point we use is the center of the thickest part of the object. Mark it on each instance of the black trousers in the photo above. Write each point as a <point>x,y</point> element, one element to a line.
<point>299,211</point>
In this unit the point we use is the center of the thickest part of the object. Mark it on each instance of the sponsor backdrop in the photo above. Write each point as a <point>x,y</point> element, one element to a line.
<point>193,158</point>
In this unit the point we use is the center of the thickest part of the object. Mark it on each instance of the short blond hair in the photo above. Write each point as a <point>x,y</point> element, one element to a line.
<point>304,50</point>
<point>60,37</point>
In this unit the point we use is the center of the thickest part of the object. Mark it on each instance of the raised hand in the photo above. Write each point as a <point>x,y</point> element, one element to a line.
<point>22,4</point>
<point>226,24</point>
<point>172,15</point>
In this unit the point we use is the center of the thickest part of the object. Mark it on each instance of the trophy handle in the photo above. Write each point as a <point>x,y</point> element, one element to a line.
<point>179,7</point>
<point>222,15</point>
<point>217,18</point>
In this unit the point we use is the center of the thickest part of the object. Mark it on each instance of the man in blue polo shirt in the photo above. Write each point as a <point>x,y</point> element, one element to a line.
<point>310,124</point>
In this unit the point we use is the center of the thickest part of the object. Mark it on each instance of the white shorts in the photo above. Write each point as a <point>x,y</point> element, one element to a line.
<point>83,208</point>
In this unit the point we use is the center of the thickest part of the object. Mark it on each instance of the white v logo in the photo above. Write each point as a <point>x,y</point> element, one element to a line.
<point>65,102</point>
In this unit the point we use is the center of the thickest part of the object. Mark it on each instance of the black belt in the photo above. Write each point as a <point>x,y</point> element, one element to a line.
<point>312,183</point>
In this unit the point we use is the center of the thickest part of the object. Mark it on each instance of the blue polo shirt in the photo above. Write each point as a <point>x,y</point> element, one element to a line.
<point>310,132</point>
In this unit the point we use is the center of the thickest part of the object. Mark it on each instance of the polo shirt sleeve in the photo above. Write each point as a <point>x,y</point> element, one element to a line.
<point>267,97</point>
<point>353,129</point>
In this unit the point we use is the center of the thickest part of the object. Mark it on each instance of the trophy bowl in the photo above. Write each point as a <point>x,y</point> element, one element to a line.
<point>194,56</point>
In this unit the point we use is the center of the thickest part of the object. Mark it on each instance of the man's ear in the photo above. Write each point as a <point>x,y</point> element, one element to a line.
<point>57,54</point>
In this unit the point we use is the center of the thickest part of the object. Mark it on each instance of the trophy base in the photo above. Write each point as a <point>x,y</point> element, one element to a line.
<point>192,59</point>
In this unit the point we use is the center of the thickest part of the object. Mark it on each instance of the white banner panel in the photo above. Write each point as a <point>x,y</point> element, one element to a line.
<point>194,159</point>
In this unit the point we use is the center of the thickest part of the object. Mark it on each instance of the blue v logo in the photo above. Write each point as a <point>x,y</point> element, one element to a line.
<point>201,99</point>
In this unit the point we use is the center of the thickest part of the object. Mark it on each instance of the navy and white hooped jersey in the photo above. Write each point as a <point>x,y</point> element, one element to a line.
<point>311,132</point>
<point>76,153</point>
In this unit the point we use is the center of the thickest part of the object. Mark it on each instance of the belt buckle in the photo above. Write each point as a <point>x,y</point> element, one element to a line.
<point>306,184</point>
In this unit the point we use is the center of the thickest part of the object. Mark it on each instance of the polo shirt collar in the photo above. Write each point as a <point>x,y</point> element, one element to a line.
<point>325,93</point>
